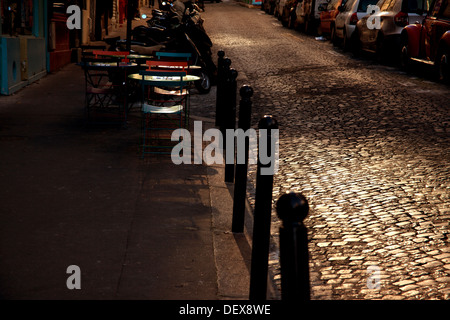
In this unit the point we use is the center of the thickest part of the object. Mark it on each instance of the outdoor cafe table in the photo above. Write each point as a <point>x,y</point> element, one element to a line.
<point>118,72</point>
<point>106,65</point>
<point>160,80</point>
<point>186,78</point>
<point>129,56</point>
<point>139,58</point>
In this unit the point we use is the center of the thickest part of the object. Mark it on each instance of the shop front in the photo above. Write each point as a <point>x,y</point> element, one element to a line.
<point>22,43</point>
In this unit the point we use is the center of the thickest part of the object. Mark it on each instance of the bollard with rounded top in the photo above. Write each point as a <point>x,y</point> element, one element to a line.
<point>220,84</point>
<point>268,122</point>
<point>292,209</point>
<point>245,107</point>
<point>224,93</point>
<point>229,121</point>
<point>221,54</point>
<point>240,178</point>
<point>262,219</point>
<point>246,92</point>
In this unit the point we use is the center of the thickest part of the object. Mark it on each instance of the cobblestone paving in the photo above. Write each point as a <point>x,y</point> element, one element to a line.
<point>366,144</point>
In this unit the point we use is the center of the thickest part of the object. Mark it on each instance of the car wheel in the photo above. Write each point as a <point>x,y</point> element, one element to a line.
<point>345,42</point>
<point>356,44</point>
<point>352,42</point>
<point>405,57</point>
<point>380,50</point>
<point>306,26</point>
<point>284,19</point>
<point>443,65</point>
<point>204,84</point>
<point>271,10</point>
<point>333,37</point>
<point>291,22</point>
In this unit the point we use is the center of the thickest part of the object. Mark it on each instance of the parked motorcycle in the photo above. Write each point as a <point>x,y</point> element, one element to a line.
<point>185,33</point>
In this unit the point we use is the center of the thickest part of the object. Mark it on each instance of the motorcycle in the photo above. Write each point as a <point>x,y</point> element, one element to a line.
<point>180,32</point>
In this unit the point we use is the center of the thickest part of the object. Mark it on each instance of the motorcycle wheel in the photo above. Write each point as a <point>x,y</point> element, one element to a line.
<point>204,84</point>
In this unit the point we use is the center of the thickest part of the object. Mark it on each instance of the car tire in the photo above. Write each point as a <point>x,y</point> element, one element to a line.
<point>333,38</point>
<point>284,19</point>
<point>380,50</point>
<point>291,21</point>
<point>356,45</point>
<point>345,42</point>
<point>443,65</point>
<point>405,55</point>
<point>271,10</point>
<point>307,25</point>
<point>204,84</point>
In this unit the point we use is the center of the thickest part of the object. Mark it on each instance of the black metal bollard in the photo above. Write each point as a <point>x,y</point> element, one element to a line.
<point>224,88</point>
<point>219,87</point>
<point>262,218</point>
<point>229,121</point>
<point>292,209</point>
<point>240,180</point>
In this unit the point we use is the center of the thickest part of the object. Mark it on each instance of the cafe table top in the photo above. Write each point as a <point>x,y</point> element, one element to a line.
<point>130,56</point>
<point>162,66</point>
<point>112,64</point>
<point>187,78</point>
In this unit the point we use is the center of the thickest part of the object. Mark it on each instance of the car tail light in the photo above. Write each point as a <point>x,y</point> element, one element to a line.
<point>401,19</point>
<point>354,18</point>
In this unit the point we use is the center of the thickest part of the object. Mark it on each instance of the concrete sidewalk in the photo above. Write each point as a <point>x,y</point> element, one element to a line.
<point>72,195</point>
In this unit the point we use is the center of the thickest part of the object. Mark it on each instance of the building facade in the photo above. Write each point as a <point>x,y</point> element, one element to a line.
<point>35,39</point>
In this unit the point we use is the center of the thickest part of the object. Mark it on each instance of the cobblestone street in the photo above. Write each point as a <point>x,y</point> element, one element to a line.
<point>368,145</point>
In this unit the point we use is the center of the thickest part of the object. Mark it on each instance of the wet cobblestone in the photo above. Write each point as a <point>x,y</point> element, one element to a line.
<point>367,145</point>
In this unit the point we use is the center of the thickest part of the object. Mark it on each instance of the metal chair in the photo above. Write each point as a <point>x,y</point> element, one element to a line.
<point>172,66</point>
<point>162,112</point>
<point>119,54</point>
<point>181,56</point>
<point>100,92</point>
<point>107,93</point>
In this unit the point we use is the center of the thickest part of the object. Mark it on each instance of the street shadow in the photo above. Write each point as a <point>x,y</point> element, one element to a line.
<point>244,248</point>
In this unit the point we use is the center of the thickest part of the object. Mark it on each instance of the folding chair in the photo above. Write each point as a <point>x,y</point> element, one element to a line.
<point>163,55</point>
<point>118,54</point>
<point>169,66</point>
<point>103,98</point>
<point>161,112</point>
<point>87,51</point>
<point>170,61</point>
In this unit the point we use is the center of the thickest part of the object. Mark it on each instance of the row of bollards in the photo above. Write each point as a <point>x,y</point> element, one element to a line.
<point>291,208</point>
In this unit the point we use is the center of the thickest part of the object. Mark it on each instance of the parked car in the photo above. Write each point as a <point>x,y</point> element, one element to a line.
<point>384,40</point>
<point>268,6</point>
<point>278,11</point>
<point>306,15</point>
<point>345,22</point>
<point>328,15</point>
<point>429,42</point>
<point>286,14</point>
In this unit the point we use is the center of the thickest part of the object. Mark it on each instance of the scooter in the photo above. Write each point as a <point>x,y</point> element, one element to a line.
<point>165,28</point>
<point>175,39</point>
